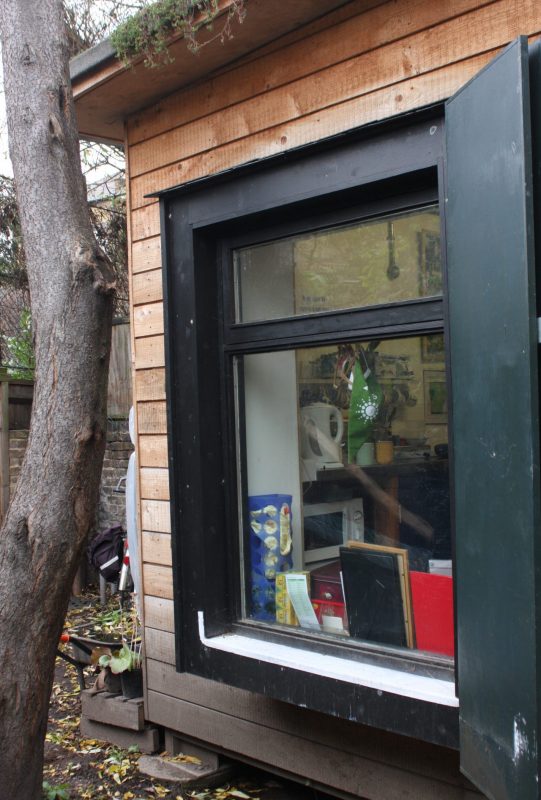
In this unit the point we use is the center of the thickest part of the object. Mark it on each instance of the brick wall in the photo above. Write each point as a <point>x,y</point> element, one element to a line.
<point>112,506</point>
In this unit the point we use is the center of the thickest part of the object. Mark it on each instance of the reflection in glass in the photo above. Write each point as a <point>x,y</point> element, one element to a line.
<point>346,523</point>
<point>383,260</point>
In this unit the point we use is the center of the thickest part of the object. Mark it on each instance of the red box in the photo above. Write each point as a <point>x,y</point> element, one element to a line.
<point>433,616</point>
<point>326,608</point>
<point>325,583</point>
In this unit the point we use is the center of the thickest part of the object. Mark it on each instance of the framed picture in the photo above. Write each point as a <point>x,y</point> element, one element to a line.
<point>435,396</point>
<point>377,592</point>
<point>432,348</point>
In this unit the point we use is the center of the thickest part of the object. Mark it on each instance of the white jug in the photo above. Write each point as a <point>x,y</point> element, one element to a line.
<point>317,441</point>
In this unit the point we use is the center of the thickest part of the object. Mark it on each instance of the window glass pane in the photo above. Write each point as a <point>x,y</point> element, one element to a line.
<point>384,260</point>
<point>346,521</point>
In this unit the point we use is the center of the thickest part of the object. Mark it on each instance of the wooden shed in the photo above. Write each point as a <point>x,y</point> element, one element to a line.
<point>333,230</point>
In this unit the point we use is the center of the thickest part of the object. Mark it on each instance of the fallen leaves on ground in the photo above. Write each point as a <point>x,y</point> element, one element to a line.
<point>88,769</point>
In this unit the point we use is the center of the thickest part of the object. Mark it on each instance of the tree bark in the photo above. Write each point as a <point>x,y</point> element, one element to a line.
<point>71,289</point>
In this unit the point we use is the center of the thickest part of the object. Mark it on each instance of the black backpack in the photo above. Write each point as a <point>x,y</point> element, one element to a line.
<point>106,551</point>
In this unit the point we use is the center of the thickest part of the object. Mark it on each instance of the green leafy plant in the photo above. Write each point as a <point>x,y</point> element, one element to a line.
<point>147,33</point>
<point>20,349</point>
<point>121,660</point>
<point>60,792</point>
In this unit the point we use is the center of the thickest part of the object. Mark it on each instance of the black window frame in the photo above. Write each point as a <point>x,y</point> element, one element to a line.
<point>201,222</point>
<point>406,318</point>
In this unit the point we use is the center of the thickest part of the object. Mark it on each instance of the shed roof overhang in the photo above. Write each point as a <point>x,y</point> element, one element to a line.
<point>107,92</point>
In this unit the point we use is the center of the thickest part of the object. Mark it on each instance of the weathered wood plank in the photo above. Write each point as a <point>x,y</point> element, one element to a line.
<point>155,516</point>
<point>153,451</point>
<point>151,417</point>
<point>330,731</point>
<point>157,548</point>
<point>362,32</point>
<point>146,255</point>
<point>161,644</point>
<point>149,352</point>
<point>113,710</point>
<point>150,384</point>
<point>159,613</point>
<point>158,582</point>
<point>328,766</point>
<point>389,101</point>
<point>148,320</point>
<point>154,483</point>
<point>147,287</point>
<point>145,222</point>
<point>119,388</point>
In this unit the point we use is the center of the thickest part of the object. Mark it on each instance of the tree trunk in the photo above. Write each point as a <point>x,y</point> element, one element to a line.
<point>71,289</point>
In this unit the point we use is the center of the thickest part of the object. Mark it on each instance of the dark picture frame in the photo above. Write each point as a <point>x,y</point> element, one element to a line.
<point>435,396</point>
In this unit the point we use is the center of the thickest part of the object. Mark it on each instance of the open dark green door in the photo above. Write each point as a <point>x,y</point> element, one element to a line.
<point>494,368</point>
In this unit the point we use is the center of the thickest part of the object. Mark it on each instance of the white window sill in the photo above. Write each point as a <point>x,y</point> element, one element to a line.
<point>383,679</point>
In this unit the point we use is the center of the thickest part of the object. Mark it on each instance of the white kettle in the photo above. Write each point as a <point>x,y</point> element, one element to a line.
<point>318,443</point>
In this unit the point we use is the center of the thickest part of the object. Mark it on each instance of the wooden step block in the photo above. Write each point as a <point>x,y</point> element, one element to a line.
<point>113,709</point>
<point>147,740</point>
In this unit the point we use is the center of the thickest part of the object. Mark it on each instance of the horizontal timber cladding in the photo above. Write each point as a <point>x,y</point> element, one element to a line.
<point>149,352</point>
<point>154,483</point>
<point>148,319</point>
<point>421,53</point>
<point>158,581</point>
<point>374,30</point>
<point>150,384</point>
<point>160,644</point>
<point>147,287</point>
<point>409,72</point>
<point>387,102</point>
<point>159,613</point>
<point>155,516</point>
<point>145,222</point>
<point>157,548</point>
<point>146,255</point>
<point>327,731</point>
<point>153,451</point>
<point>338,763</point>
<point>151,417</point>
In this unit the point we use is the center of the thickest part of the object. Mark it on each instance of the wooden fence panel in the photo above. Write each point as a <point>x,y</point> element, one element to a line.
<point>119,391</point>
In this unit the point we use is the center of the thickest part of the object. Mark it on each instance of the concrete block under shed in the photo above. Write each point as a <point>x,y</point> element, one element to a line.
<point>175,744</point>
<point>190,775</point>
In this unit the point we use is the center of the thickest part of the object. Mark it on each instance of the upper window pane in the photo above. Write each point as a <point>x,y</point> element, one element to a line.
<point>383,260</point>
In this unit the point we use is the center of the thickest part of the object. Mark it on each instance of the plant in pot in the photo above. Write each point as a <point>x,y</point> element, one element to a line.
<point>383,439</point>
<point>125,662</point>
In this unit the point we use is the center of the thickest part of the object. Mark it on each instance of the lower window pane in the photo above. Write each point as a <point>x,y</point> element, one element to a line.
<point>346,520</point>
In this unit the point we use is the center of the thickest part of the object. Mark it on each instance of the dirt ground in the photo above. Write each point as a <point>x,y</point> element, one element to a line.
<point>87,769</point>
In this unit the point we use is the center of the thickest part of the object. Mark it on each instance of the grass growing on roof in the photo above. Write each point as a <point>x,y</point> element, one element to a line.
<point>149,31</point>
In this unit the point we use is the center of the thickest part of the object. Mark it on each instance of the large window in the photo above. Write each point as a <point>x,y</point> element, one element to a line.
<point>343,446</point>
<point>310,437</point>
